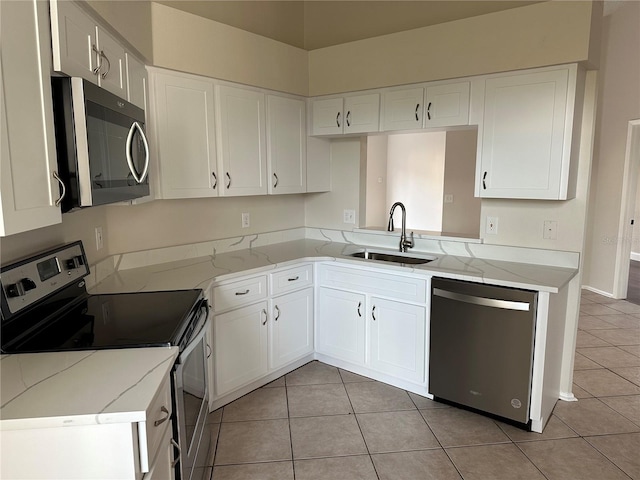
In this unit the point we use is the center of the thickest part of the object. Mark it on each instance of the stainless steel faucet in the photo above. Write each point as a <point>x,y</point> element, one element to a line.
<point>404,243</point>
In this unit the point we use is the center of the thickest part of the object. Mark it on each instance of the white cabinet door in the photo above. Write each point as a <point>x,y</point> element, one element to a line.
<point>327,116</point>
<point>111,76</point>
<point>524,139</point>
<point>402,109</point>
<point>242,149</point>
<point>184,121</point>
<point>341,325</point>
<point>286,145</point>
<point>291,327</point>
<point>74,40</point>
<point>28,190</point>
<point>161,468</point>
<point>398,339</point>
<point>447,105</point>
<point>136,82</point>
<point>362,113</point>
<point>240,347</point>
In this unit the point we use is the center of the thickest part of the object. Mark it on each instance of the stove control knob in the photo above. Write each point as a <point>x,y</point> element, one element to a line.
<point>75,262</point>
<point>20,288</point>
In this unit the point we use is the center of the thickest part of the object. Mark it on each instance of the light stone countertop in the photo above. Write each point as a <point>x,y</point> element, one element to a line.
<point>200,272</point>
<point>90,387</point>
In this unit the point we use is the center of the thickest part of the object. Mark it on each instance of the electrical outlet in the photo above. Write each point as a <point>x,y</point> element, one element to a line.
<point>349,216</point>
<point>99,239</point>
<point>492,226</point>
<point>246,220</point>
<point>448,198</point>
<point>550,230</point>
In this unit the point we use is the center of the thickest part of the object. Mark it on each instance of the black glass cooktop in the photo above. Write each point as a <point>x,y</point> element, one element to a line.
<point>104,321</point>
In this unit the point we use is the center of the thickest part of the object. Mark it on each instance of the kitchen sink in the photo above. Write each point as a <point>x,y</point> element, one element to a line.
<point>395,257</point>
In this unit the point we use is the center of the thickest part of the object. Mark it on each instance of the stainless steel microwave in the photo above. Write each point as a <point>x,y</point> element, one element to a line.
<point>103,152</point>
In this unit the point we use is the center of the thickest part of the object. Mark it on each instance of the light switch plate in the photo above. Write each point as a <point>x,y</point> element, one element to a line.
<point>246,220</point>
<point>349,216</point>
<point>550,231</point>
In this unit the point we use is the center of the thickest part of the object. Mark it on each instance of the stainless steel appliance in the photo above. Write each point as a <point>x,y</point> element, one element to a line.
<point>481,347</point>
<point>103,153</point>
<point>46,308</point>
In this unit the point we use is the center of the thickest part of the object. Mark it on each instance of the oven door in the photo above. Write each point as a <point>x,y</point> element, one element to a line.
<point>192,405</point>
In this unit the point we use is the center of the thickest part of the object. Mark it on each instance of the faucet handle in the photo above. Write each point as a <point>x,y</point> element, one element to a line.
<point>409,243</point>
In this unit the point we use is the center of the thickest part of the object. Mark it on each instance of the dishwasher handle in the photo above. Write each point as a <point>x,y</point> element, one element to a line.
<point>482,301</point>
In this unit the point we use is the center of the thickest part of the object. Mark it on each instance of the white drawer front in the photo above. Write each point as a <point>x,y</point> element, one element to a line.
<point>239,293</point>
<point>291,279</point>
<point>376,283</point>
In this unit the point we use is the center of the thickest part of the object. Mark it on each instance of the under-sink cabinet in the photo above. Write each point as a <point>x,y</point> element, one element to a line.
<point>375,320</point>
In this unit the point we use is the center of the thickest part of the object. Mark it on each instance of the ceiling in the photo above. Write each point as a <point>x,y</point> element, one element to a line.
<point>316,24</point>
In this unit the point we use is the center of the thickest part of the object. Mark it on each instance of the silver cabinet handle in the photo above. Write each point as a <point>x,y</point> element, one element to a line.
<point>277,313</point>
<point>429,111</point>
<point>359,312</point>
<point>138,178</point>
<point>210,351</point>
<point>228,180</point>
<point>64,189</point>
<point>417,107</point>
<point>276,182</point>
<point>484,184</point>
<point>163,409</point>
<point>293,279</point>
<point>348,118</point>
<point>104,74</point>
<point>97,68</point>
<point>373,312</point>
<point>175,462</point>
<point>264,312</point>
<point>338,119</point>
<point>215,180</point>
<point>243,293</point>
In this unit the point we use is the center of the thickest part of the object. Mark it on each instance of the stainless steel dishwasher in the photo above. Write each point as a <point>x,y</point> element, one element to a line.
<point>481,347</point>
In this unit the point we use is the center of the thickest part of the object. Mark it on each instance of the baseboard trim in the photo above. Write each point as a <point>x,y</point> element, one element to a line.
<point>568,397</point>
<point>599,292</point>
<point>635,256</point>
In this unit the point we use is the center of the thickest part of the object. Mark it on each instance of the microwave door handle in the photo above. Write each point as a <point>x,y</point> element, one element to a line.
<point>136,126</point>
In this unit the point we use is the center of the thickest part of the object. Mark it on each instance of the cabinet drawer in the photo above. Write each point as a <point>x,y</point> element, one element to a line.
<point>291,279</point>
<point>234,294</point>
<point>377,283</point>
<point>158,420</point>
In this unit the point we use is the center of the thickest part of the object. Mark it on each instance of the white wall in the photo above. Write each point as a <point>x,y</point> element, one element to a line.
<point>376,187</point>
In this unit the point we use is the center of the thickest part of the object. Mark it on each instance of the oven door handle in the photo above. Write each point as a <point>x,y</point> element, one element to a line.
<point>198,337</point>
<point>139,178</point>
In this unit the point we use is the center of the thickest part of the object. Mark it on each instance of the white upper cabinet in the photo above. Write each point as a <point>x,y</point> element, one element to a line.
<point>28,188</point>
<point>183,122</point>
<point>447,105</point>
<point>402,109</point>
<point>286,145</point>
<point>242,145</point>
<point>111,64</point>
<point>525,135</point>
<point>136,82</point>
<point>352,114</point>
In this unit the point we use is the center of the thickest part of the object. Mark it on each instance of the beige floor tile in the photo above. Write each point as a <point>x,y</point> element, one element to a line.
<point>202,472</point>
<point>625,307</point>
<point>315,400</point>
<point>554,429</point>
<point>590,322</point>
<point>215,416</point>
<point>633,349</point>
<point>598,309</point>
<point>278,382</point>
<point>349,377</point>
<point>250,442</point>
<point>424,402</point>
<point>584,300</point>
<point>571,459</point>
<point>456,427</point>
<point>593,296</point>
<point>619,336</point>
<point>357,467</point>
<point>378,397</point>
<point>592,417</point>
<point>396,431</point>
<point>213,432</point>
<point>629,373</point>
<point>331,436</point>
<point>610,357</point>
<point>313,373</point>
<point>621,320</point>
<point>422,465</point>
<point>579,392</point>
<point>603,382</point>
<point>623,450</point>
<point>261,404</point>
<point>497,462</point>
<point>585,339</point>
<point>628,405</point>
<point>583,363</point>
<point>255,471</point>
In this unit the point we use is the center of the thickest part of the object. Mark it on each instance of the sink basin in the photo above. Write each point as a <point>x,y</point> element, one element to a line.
<point>387,256</point>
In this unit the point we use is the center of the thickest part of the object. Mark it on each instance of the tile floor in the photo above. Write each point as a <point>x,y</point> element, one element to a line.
<point>321,422</point>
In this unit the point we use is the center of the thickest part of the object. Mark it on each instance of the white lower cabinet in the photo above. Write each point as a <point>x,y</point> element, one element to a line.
<point>240,347</point>
<point>162,468</point>
<point>341,325</point>
<point>291,327</point>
